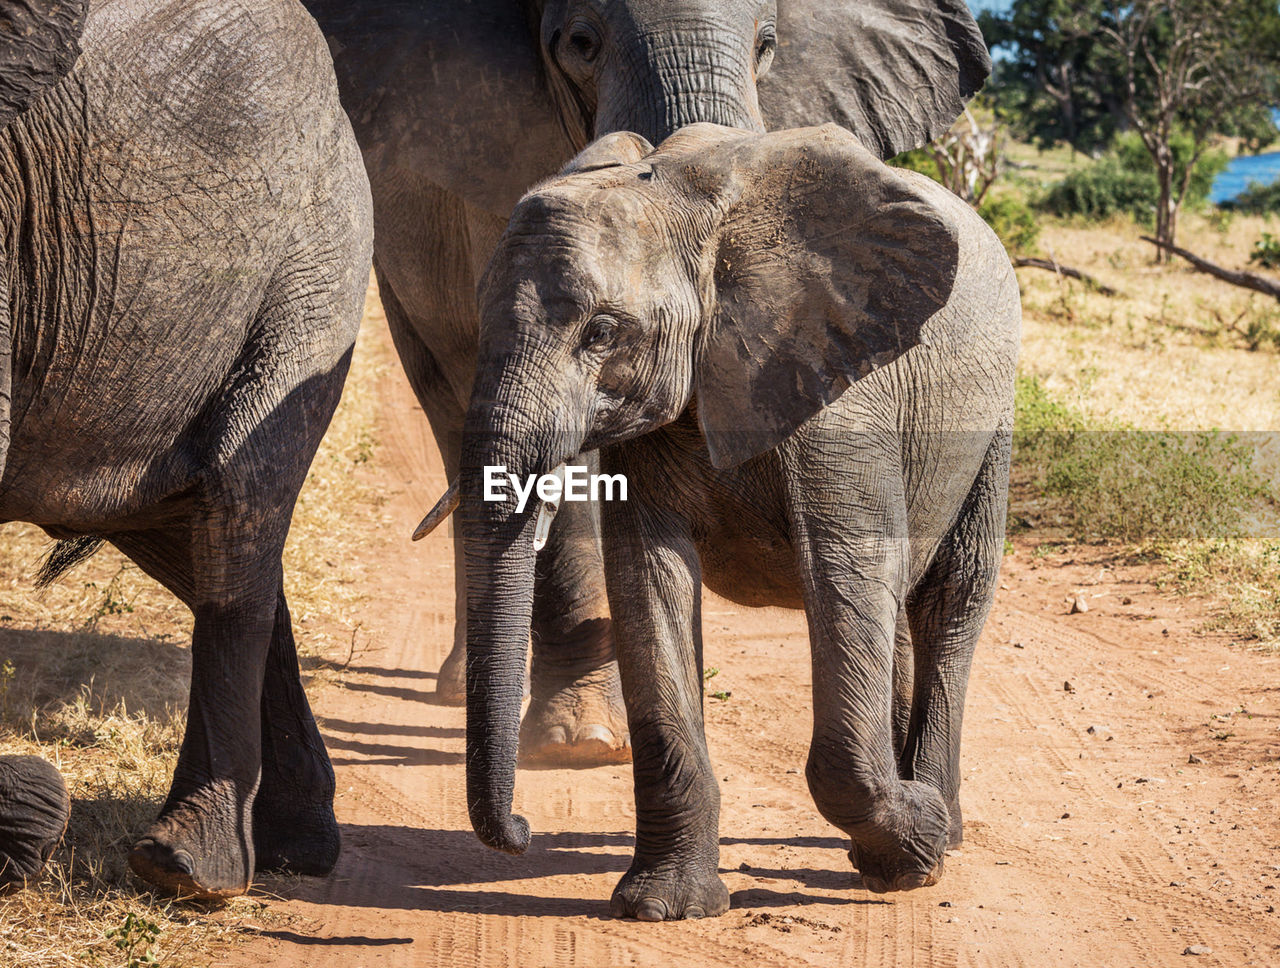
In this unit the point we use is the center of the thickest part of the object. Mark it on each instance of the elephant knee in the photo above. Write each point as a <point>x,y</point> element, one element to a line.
<point>34,809</point>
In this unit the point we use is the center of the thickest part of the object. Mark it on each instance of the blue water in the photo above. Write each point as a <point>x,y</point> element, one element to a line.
<point>1242,170</point>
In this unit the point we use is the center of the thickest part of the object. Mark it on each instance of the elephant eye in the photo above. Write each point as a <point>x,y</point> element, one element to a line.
<point>584,41</point>
<point>766,43</point>
<point>599,332</point>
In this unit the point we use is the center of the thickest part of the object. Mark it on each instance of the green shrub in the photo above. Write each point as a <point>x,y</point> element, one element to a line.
<point>1123,182</point>
<point>1013,220</point>
<point>1266,251</point>
<point>1257,199</point>
<point>917,160</point>
<point>1122,483</point>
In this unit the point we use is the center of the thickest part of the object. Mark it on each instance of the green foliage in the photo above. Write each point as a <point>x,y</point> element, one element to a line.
<point>136,938</point>
<point>1257,199</point>
<point>1122,483</point>
<point>1060,67</point>
<point>1123,182</point>
<point>917,160</point>
<point>1013,220</point>
<point>1266,251</point>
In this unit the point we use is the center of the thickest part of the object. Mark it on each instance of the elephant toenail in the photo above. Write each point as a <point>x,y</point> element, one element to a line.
<point>694,913</point>
<point>596,734</point>
<point>556,736</point>
<point>651,909</point>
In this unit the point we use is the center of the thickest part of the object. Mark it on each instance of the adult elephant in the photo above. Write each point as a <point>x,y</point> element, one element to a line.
<point>460,105</point>
<point>185,235</point>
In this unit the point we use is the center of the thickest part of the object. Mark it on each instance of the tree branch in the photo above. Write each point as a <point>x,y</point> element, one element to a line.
<point>1246,280</point>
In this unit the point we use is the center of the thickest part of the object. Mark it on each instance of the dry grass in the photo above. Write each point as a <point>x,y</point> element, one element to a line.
<point>1176,350</point>
<point>93,677</point>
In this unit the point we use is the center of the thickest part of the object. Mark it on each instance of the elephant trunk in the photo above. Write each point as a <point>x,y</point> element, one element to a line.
<point>498,542</point>
<point>652,94</point>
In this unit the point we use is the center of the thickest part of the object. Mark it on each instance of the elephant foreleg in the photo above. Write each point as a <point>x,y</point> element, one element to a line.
<point>654,582</point>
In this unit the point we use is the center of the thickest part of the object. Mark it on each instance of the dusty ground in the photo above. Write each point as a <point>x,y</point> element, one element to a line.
<point>1090,837</point>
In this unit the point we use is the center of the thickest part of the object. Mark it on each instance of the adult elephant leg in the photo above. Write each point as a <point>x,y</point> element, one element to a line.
<point>439,402</point>
<point>576,714</point>
<point>947,614</point>
<point>202,842</point>
<point>655,589</point>
<point>294,826</point>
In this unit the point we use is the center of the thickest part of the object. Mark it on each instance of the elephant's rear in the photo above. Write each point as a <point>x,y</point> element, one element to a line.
<point>193,186</point>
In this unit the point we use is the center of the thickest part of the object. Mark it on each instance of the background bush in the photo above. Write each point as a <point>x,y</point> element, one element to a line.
<point>1123,181</point>
<point>1257,199</point>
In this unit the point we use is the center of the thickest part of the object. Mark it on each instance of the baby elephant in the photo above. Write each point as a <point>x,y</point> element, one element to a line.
<point>185,236</point>
<point>802,361</point>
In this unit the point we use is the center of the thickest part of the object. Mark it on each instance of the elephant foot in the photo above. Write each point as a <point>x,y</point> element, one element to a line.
<point>295,840</point>
<point>34,809</point>
<point>197,852</point>
<point>669,893</point>
<point>581,724</point>
<point>903,848</point>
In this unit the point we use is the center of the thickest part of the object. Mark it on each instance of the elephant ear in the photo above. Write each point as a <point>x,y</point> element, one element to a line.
<point>827,264</point>
<point>39,44</point>
<point>894,72</point>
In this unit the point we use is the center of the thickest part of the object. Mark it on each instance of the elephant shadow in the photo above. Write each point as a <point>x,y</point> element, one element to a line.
<point>66,679</point>
<point>450,871</point>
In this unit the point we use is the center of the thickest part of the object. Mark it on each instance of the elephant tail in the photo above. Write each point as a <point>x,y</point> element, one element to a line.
<point>64,556</point>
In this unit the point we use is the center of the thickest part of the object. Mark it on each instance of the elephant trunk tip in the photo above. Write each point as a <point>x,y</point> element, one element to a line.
<point>508,832</point>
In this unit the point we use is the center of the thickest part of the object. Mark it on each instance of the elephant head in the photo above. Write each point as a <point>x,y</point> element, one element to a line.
<point>754,277</point>
<point>39,43</point>
<point>486,97</point>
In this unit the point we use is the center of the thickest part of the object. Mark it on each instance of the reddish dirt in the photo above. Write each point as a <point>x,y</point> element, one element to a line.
<point>1081,848</point>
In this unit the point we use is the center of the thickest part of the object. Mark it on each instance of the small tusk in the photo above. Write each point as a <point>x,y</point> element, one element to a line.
<point>444,507</point>
<point>547,513</point>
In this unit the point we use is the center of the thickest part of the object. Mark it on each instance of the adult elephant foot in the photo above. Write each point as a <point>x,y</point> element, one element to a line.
<point>902,848</point>
<point>299,837</point>
<point>575,722</point>
<point>200,847</point>
<point>669,892</point>
<point>34,809</point>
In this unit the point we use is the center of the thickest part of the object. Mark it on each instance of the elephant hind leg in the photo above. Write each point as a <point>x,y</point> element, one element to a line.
<point>947,612</point>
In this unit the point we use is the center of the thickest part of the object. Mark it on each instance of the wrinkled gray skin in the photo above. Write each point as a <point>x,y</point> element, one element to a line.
<point>185,234</point>
<point>460,106</point>
<point>803,362</point>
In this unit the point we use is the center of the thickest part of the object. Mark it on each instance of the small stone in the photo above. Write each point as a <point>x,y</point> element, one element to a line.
<point>1018,645</point>
<point>944,904</point>
<point>1098,730</point>
<point>1068,687</point>
<point>1065,816</point>
<point>1130,917</point>
<point>1079,604</point>
<point>1195,759</point>
<point>1197,949</point>
<point>1177,883</point>
<point>1126,600</point>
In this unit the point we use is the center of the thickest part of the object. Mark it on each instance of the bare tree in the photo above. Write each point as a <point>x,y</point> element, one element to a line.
<point>1189,65</point>
<point>968,157</point>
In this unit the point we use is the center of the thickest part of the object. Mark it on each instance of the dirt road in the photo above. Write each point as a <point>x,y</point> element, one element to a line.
<point>1090,839</point>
